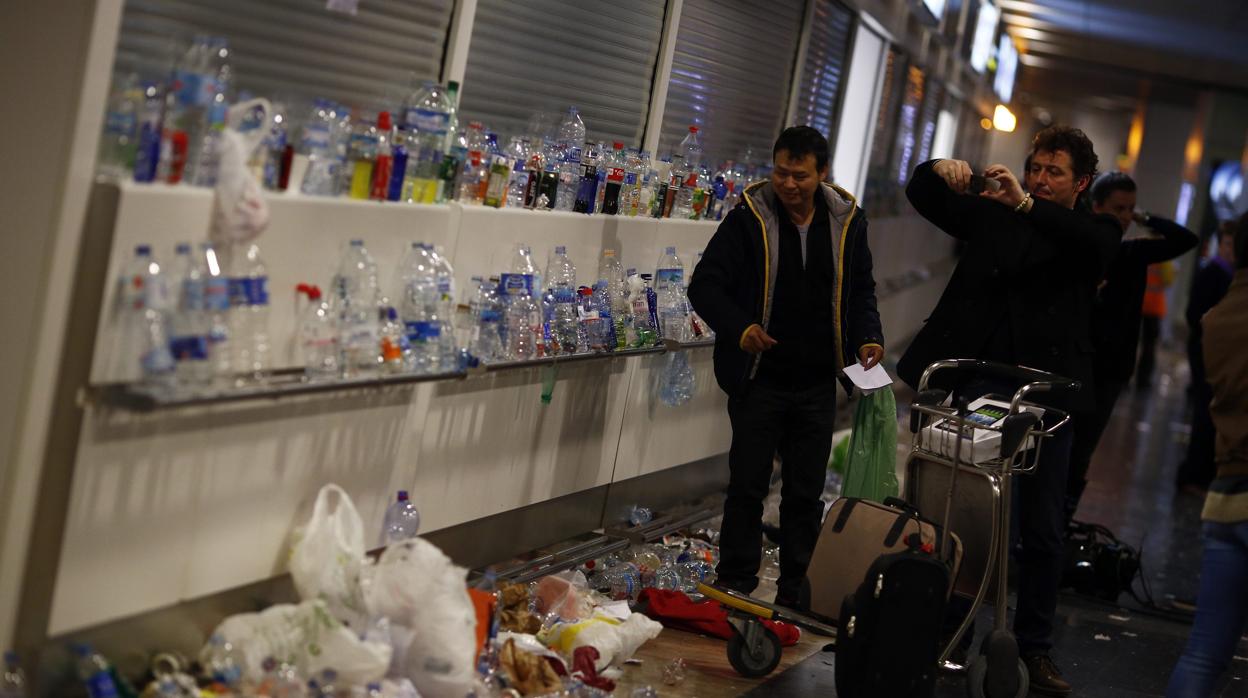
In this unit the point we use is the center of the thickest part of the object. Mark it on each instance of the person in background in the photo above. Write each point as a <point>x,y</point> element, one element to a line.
<point>1152,312</point>
<point>786,283</point>
<point>1116,315</point>
<point>1210,285</point>
<point>1022,294</point>
<point>1222,604</point>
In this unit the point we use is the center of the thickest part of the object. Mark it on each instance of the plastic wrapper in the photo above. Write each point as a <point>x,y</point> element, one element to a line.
<point>615,640</point>
<point>563,596</point>
<point>239,211</point>
<point>328,556</point>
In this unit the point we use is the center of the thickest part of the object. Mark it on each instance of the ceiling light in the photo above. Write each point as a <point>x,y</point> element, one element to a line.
<point>1003,119</point>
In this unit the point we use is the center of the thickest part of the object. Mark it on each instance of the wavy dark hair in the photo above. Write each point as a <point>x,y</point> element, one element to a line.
<point>1110,182</point>
<point>1082,156</point>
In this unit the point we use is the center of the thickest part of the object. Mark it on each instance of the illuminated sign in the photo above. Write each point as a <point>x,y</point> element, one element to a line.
<point>985,29</point>
<point>1007,66</point>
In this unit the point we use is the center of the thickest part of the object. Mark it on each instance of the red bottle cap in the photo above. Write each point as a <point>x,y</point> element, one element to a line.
<point>383,121</point>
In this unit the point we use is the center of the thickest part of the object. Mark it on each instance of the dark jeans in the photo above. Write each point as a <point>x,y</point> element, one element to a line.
<point>1150,330</point>
<point>1221,612</point>
<point>797,424</point>
<point>1198,467</point>
<point>1038,533</point>
<point>1087,434</point>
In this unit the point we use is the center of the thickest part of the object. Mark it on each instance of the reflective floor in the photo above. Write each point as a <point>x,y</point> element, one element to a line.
<point>1106,651</point>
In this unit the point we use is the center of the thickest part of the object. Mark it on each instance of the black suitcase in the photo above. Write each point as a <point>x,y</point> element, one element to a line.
<point>890,628</point>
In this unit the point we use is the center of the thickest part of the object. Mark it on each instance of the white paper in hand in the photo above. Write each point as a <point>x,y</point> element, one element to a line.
<point>868,381</point>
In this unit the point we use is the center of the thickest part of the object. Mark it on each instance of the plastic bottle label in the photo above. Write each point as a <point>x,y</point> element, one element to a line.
<point>514,284</point>
<point>187,87</point>
<point>216,294</point>
<point>249,291</point>
<point>100,685</point>
<point>563,294</point>
<point>156,362</point>
<point>120,123</point>
<point>665,277</point>
<point>423,332</point>
<point>491,315</point>
<point>189,348</point>
<point>427,122</point>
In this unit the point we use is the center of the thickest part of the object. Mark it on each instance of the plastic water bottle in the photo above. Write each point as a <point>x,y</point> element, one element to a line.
<point>119,142</point>
<point>93,670</point>
<point>691,149</point>
<point>610,272</point>
<point>587,189</point>
<point>624,582</point>
<point>518,177</point>
<point>355,296</point>
<point>419,302</point>
<point>456,148</point>
<point>223,661</point>
<point>150,118</point>
<point>383,163</point>
<point>444,275</point>
<point>208,146</point>
<point>614,167</point>
<point>249,313</point>
<point>399,140</point>
<point>612,326</point>
<point>191,326</point>
<point>280,680</point>
<point>216,308</point>
<point>487,332</point>
<point>669,270</point>
<point>427,115</point>
<point>321,177</point>
<point>402,520</point>
<point>569,179</point>
<point>191,90</point>
<point>594,327</point>
<point>524,326</point>
<point>673,313</point>
<point>13,680</point>
<point>571,134</point>
<point>474,175</point>
<point>641,299</point>
<point>681,190</point>
<point>677,382</point>
<point>144,297</point>
<point>318,335</point>
<point>561,277</point>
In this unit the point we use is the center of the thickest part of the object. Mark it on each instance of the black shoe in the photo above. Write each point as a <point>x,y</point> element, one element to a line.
<point>1045,677</point>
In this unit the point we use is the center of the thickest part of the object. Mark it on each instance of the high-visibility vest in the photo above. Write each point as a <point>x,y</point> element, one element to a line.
<point>1160,276</point>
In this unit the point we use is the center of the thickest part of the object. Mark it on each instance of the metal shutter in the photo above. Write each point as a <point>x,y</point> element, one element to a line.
<point>731,73</point>
<point>296,50</point>
<point>544,55</point>
<point>826,64</point>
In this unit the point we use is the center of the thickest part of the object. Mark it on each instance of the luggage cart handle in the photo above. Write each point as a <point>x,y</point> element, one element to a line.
<point>1032,378</point>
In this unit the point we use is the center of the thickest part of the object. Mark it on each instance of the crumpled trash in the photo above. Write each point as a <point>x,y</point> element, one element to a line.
<point>585,668</point>
<point>615,640</point>
<point>674,671</point>
<point>514,615</point>
<point>528,673</point>
<point>563,596</point>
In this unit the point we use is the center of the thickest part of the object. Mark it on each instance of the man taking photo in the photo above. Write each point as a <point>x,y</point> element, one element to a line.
<point>1022,294</point>
<point>786,284</point>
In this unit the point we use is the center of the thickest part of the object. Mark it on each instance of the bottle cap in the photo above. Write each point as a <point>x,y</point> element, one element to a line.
<point>383,121</point>
<point>357,243</point>
<point>402,495</point>
<point>693,129</point>
<point>560,249</point>
<point>183,248</point>
<point>617,145</point>
<point>670,250</point>
<point>143,250</point>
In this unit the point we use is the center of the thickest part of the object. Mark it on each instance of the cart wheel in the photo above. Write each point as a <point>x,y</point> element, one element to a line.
<point>977,675</point>
<point>759,660</point>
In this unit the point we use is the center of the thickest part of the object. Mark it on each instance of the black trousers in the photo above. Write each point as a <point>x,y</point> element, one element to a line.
<point>795,423</point>
<point>1150,330</point>
<point>1088,430</point>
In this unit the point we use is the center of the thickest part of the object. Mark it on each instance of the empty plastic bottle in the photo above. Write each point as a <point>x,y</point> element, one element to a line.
<point>13,680</point>
<point>399,139</point>
<point>587,189</point>
<point>524,326</point>
<point>280,680</point>
<point>474,176</point>
<point>691,148</point>
<point>677,381</point>
<point>456,148</point>
<point>191,326</point>
<point>383,164</point>
<point>444,276</point>
<point>517,154</point>
<point>669,270</point>
<point>362,150</point>
<point>321,177</point>
<point>613,326</point>
<point>249,313</point>
<point>612,273</point>
<point>487,333</point>
<point>94,672</point>
<point>623,581</point>
<point>571,134</point>
<point>673,313</point>
<point>427,115</point>
<point>419,303</point>
<point>119,142</point>
<point>616,165</point>
<point>144,301</point>
<point>214,90</point>
<point>150,117</point>
<point>355,297</point>
<point>641,300</point>
<point>594,328</point>
<point>402,520</point>
<point>191,91</point>
<point>217,309</point>
<point>222,661</point>
<point>318,335</point>
<point>569,179</point>
<point>561,277</point>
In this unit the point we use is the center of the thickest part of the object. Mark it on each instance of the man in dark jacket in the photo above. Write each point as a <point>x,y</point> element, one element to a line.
<point>786,284</point>
<point>1116,316</point>
<point>1022,294</point>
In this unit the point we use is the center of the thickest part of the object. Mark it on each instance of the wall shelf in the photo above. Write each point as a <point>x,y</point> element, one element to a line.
<point>286,383</point>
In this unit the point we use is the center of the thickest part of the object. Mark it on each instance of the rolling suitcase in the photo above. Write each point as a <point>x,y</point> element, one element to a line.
<point>856,532</point>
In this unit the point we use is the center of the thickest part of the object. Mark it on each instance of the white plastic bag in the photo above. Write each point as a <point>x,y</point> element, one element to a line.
<point>433,624</point>
<point>239,211</point>
<point>328,555</point>
<point>309,637</point>
<point>616,641</point>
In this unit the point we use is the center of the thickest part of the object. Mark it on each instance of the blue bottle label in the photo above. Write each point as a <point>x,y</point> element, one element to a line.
<point>491,316</point>
<point>194,295</point>
<point>422,332</point>
<point>249,291</point>
<point>427,122</point>
<point>190,348</point>
<point>100,685</point>
<point>663,277</point>
<point>564,294</point>
<point>516,284</point>
<point>186,87</point>
<point>216,294</point>
<point>119,123</point>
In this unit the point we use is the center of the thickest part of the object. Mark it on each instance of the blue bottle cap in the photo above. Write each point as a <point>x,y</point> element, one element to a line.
<point>183,248</point>
<point>143,250</point>
<point>670,250</point>
<point>560,249</point>
<point>357,243</point>
<point>402,495</point>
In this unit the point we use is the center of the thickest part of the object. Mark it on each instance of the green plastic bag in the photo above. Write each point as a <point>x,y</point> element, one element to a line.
<point>871,465</point>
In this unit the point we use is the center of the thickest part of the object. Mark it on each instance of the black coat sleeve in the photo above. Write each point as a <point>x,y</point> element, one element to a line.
<point>1174,241</point>
<point>1092,238</point>
<point>936,202</point>
<point>724,262</point>
<point>864,315</point>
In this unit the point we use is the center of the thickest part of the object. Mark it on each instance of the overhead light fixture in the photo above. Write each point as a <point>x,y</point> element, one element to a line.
<point>1003,119</point>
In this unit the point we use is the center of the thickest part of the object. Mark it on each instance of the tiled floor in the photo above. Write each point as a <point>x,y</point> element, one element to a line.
<point>1106,651</point>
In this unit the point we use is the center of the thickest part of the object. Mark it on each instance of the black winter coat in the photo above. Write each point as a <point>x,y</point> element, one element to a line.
<point>733,286</point>
<point>1037,271</point>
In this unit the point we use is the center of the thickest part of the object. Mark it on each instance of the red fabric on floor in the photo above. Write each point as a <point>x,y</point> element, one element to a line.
<point>674,609</point>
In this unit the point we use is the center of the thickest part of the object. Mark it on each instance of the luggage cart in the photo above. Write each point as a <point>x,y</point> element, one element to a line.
<point>945,430</point>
